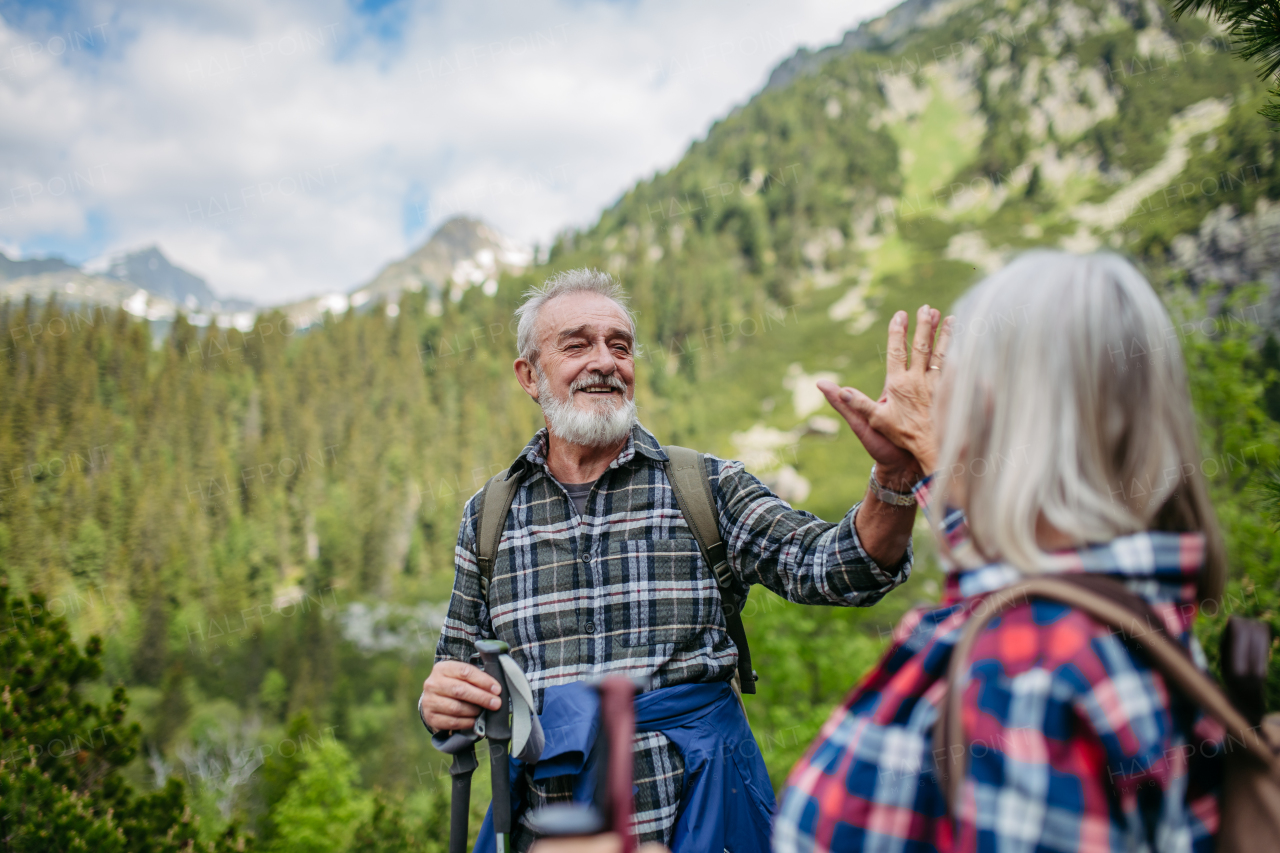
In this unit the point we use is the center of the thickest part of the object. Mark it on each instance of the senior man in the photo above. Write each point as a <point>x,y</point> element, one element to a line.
<point>598,571</point>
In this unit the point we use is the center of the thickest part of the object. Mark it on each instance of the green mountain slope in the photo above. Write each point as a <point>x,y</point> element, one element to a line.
<point>882,180</point>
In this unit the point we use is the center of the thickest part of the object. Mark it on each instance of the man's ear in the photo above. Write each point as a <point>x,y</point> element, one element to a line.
<point>527,376</point>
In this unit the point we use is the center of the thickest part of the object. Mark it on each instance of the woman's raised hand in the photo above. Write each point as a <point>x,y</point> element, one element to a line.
<point>904,412</point>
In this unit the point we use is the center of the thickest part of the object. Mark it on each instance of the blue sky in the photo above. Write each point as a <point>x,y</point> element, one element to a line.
<point>291,148</point>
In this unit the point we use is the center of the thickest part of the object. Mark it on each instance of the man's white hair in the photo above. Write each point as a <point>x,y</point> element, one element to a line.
<point>560,284</point>
<point>1065,396</point>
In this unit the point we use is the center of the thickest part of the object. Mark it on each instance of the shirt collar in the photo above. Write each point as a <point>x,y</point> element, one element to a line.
<point>1175,559</point>
<point>1169,560</point>
<point>640,442</point>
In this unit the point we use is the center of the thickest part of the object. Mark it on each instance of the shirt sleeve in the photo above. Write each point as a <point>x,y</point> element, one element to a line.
<point>468,617</point>
<point>795,553</point>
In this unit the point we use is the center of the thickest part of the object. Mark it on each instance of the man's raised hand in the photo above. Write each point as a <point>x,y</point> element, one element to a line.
<point>454,695</point>
<point>895,468</point>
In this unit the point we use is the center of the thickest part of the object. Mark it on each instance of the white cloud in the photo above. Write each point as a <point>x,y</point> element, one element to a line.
<point>285,149</point>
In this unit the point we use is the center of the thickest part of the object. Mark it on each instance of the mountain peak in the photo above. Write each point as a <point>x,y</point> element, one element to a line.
<point>10,268</point>
<point>461,253</point>
<point>873,34</point>
<point>150,269</point>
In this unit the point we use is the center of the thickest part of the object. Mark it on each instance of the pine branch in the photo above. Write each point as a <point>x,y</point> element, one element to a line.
<point>1254,28</point>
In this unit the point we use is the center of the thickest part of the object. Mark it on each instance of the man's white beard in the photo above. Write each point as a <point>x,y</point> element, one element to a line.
<point>607,424</point>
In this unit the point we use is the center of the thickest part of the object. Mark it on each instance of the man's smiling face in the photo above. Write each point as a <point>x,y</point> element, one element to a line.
<point>586,352</point>
<point>583,371</point>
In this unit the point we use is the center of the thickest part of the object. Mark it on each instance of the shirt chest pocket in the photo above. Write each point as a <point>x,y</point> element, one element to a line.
<point>658,591</point>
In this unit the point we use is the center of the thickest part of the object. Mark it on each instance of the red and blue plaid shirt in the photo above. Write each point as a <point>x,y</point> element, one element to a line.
<point>1077,745</point>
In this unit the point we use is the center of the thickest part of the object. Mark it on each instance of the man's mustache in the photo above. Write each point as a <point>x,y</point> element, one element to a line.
<point>610,380</point>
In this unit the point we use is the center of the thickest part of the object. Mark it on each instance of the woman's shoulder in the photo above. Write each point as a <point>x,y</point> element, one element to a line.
<point>1047,665</point>
<point>1041,633</point>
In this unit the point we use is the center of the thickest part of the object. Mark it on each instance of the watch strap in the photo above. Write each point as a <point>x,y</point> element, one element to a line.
<point>890,496</point>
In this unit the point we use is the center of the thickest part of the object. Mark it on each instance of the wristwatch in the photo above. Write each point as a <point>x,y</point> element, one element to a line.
<point>890,496</point>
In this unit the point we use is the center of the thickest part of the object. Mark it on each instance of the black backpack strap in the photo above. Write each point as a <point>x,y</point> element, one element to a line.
<point>687,473</point>
<point>495,503</point>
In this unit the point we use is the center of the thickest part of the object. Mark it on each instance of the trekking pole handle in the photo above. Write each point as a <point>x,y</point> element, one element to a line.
<point>497,723</point>
<point>498,730</point>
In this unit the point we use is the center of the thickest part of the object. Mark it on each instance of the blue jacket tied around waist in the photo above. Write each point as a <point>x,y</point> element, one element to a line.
<point>728,801</point>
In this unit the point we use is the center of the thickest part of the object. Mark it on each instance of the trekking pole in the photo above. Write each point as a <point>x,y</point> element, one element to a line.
<point>613,806</point>
<point>462,746</point>
<point>497,727</point>
<point>618,713</point>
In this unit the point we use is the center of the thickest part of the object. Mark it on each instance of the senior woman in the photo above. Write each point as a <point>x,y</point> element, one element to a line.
<point>1065,443</point>
<point>1061,440</point>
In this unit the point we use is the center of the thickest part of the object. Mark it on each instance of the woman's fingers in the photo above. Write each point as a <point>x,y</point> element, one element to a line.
<point>896,355</point>
<point>944,343</point>
<point>922,346</point>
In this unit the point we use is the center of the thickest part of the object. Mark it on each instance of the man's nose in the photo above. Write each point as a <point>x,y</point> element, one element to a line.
<point>602,359</point>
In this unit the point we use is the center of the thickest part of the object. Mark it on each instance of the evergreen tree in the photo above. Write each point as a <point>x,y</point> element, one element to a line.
<point>60,786</point>
<point>1254,26</point>
<point>323,808</point>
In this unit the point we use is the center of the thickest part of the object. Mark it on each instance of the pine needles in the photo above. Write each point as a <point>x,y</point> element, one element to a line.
<point>1254,27</point>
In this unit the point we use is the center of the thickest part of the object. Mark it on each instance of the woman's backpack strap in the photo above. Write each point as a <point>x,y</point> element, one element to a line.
<point>1112,604</point>
<point>495,503</point>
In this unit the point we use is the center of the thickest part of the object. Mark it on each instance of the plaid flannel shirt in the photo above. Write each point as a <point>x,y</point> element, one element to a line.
<point>623,589</point>
<point>1076,744</point>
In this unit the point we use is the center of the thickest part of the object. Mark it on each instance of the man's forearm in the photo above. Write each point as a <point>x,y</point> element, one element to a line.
<point>884,529</point>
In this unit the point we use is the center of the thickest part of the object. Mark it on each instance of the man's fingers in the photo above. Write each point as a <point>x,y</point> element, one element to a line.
<point>473,674</point>
<point>922,345</point>
<point>451,724</point>
<point>851,403</point>
<point>858,402</point>
<point>454,684</point>
<point>841,399</point>
<point>456,688</point>
<point>450,707</point>
<point>481,679</point>
<point>895,357</point>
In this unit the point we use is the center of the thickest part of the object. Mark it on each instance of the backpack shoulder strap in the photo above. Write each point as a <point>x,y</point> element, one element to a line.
<point>1115,610</point>
<point>495,503</point>
<point>687,472</point>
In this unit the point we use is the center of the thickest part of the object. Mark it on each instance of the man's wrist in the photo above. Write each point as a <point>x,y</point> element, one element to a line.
<point>901,480</point>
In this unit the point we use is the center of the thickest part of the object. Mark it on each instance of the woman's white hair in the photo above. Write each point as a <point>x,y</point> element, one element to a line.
<point>1064,397</point>
<point>560,284</point>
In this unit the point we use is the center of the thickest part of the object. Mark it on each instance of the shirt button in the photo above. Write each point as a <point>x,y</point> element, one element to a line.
<point>586,558</point>
<point>591,627</point>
